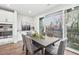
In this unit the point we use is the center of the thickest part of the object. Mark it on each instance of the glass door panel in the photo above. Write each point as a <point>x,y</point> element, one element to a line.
<point>72,23</point>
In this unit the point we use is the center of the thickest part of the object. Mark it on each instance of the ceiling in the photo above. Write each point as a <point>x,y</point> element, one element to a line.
<point>29,9</point>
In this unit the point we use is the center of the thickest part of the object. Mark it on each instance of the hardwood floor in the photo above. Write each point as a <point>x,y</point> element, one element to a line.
<point>12,49</point>
<point>16,49</point>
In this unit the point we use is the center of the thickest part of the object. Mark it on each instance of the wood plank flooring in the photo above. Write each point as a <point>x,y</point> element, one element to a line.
<point>16,49</point>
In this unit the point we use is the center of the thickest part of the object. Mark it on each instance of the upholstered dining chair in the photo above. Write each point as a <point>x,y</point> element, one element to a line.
<point>24,43</point>
<point>31,48</point>
<point>57,49</point>
<point>29,34</point>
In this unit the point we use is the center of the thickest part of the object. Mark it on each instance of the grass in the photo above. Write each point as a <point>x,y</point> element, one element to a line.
<point>73,46</point>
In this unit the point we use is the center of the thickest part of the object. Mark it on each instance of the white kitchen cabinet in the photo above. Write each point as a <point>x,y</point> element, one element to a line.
<point>9,17</point>
<point>6,16</point>
<point>2,16</point>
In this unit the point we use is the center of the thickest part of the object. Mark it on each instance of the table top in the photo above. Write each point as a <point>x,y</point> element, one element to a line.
<point>46,41</point>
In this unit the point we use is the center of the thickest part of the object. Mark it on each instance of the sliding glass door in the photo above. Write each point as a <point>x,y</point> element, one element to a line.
<point>72,23</point>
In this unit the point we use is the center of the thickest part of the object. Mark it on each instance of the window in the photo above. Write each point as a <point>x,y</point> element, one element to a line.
<point>53,24</point>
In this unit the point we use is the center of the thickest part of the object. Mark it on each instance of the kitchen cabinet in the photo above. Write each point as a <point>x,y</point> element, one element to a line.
<point>6,17</point>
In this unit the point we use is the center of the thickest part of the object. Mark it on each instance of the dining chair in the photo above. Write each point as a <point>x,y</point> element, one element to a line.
<point>32,49</point>
<point>24,43</point>
<point>29,33</point>
<point>57,49</point>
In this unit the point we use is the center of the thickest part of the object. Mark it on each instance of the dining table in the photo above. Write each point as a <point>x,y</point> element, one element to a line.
<point>46,41</point>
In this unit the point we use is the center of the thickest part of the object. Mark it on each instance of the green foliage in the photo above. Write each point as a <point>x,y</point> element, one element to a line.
<point>37,36</point>
<point>73,45</point>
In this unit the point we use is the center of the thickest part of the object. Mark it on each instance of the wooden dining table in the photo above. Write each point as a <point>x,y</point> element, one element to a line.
<point>46,42</point>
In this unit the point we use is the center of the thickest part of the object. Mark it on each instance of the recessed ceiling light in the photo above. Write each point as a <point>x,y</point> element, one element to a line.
<point>48,4</point>
<point>30,11</point>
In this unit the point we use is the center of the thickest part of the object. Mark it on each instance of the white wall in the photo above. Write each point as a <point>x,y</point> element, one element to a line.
<point>15,28</point>
<point>57,8</point>
<point>36,23</point>
<point>22,19</point>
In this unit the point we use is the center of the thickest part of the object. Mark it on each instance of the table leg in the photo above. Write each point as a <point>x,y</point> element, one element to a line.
<point>43,51</point>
